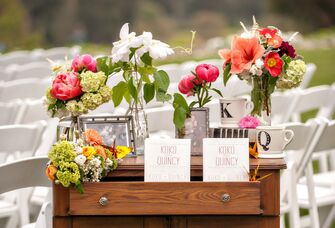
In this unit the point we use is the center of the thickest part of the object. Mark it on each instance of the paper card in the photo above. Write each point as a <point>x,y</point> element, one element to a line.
<point>167,160</point>
<point>225,159</point>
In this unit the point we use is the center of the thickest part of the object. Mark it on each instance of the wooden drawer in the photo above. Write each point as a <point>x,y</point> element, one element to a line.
<point>139,198</point>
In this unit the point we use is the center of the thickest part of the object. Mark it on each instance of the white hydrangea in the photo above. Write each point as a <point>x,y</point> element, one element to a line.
<point>92,170</point>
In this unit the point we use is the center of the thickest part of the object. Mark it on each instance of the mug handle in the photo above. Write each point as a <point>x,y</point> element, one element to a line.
<point>288,136</point>
<point>249,106</point>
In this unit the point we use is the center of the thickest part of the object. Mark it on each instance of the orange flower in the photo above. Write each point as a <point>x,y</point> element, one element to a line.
<point>50,172</point>
<point>101,151</point>
<point>244,52</point>
<point>92,137</point>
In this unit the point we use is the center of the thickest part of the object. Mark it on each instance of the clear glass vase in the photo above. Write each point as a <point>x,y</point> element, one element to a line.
<point>261,97</point>
<point>68,129</point>
<point>141,132</point>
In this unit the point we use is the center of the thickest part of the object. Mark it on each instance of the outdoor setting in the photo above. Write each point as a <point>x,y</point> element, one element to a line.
<point>167,113</point>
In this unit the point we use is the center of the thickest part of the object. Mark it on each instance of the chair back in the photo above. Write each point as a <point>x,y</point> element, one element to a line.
<point>310,71</point>
<point>33,70</point>
<point>326,141</point>
<point>22,139</point>
<point>32,88</point>
<point>282,106</point>
<point>9,111</point>
<point>34,110</point>
<point>23,173</point>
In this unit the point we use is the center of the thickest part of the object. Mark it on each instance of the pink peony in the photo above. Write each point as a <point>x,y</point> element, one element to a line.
<point>66,86</point>
<point>185,85</point>
<point>207,72</point>
<point>84,62</point>
<point>249,122</point>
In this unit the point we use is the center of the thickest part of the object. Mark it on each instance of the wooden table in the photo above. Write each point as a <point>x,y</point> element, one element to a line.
<point>130,202</point>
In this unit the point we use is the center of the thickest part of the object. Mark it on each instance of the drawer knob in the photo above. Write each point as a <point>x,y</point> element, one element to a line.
<point>225,197</point>
<point>103,201</point>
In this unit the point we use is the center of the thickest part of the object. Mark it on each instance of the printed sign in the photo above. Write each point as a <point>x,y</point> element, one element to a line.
<point>225,159</point>
<point>167,160</point>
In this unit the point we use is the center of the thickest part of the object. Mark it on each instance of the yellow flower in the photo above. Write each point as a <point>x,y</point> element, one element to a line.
<point>89,152</point>
<point>122,151</point>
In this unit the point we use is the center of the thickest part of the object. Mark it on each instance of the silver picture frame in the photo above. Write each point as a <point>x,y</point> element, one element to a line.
<point>120,128</point>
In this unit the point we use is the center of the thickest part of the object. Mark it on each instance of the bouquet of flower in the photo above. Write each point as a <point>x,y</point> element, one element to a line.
<point>83,160</point>
<point>133,55</point>
<point>77,88</point>
<point>262,57</point>
<point>198,85</point>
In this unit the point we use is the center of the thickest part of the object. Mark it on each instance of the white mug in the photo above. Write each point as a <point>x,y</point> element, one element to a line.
<point>233,110</point>
<point>271,140</point>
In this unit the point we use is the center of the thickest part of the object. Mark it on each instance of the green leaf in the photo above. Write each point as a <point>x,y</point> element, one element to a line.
<point>118,92</point>
<point>226,74</point>
<point>148,92</point>
<point>179,100</point>
<point>162,80</point>
<point>193,103</point>
<point>79,186</point>
<point>126,96</point>
<point>132,89</point>
<point>102,64</point>
<point>217,91</point>
<point>146,59</point>
<point>162,96</point>
<point>179,117</point>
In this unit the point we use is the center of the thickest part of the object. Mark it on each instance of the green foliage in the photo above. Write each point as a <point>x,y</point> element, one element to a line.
<point>226,74</point>
<point>148,92</point>
<point>119,92</point>
<point>181,110</point>
<point>132,89</point>
<point>162,80</point>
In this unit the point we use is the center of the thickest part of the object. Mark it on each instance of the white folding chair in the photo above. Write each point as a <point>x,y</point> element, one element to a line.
<point>20,140</point>
<point>282,106</point>
<point>6,74</point>
<point>32,88</point>
<point>15,57</point>
<point>9,111</point>
<point>28,172</point>
<point>323,182</point>
<point>297,151</point>
<point>310,71</point>
<point>33,70</point>
<point>311,99</point>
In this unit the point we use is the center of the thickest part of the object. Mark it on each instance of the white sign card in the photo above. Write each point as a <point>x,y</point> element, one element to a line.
<point>167,160</point>
<point>225,159</point>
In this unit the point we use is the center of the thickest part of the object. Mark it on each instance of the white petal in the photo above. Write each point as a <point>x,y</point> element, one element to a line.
<point>124,31</point>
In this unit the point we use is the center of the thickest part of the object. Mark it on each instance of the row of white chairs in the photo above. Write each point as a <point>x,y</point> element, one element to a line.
<point>24,57</point>
<point>29,70</point>
<point>176,71</point>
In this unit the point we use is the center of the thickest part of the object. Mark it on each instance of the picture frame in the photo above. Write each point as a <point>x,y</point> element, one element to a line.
<point>109,127</point>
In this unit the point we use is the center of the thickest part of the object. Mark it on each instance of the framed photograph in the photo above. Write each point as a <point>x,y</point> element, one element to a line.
<point>119,128</point>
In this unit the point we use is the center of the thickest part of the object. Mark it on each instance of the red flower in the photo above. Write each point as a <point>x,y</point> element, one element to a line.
<point>273,63</point>
<point>185,85</point>
<point>287,48</point>
<point>66,86</point>
<point>268,33</point>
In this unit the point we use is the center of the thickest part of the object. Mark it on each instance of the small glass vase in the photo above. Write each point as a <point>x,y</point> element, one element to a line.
<point>141,132</point>
<point>68,128</point>
<point>261,97</point>
<point>195,128</point>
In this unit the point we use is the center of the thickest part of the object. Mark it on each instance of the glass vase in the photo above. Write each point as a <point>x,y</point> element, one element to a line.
<point>68,129</point>
<point>261,97</point>
<point>141,132</point>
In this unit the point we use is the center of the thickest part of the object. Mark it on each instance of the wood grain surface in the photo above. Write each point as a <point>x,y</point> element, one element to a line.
<point>138,198</point>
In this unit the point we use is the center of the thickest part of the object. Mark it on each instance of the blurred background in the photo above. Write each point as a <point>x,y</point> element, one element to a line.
<point>29,24</point>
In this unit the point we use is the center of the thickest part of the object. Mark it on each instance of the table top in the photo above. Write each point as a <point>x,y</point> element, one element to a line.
<point>137,163</point>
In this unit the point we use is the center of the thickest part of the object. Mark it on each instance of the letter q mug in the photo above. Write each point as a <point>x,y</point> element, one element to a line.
<point>233,109</point>
<point>271,141</point>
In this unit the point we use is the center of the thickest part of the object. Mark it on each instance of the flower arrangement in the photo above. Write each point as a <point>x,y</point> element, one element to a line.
<point>78,88</point>
<point>133,56</point>
<point>72,163</point>
<point>262,57</point>
<point>198,85</point>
